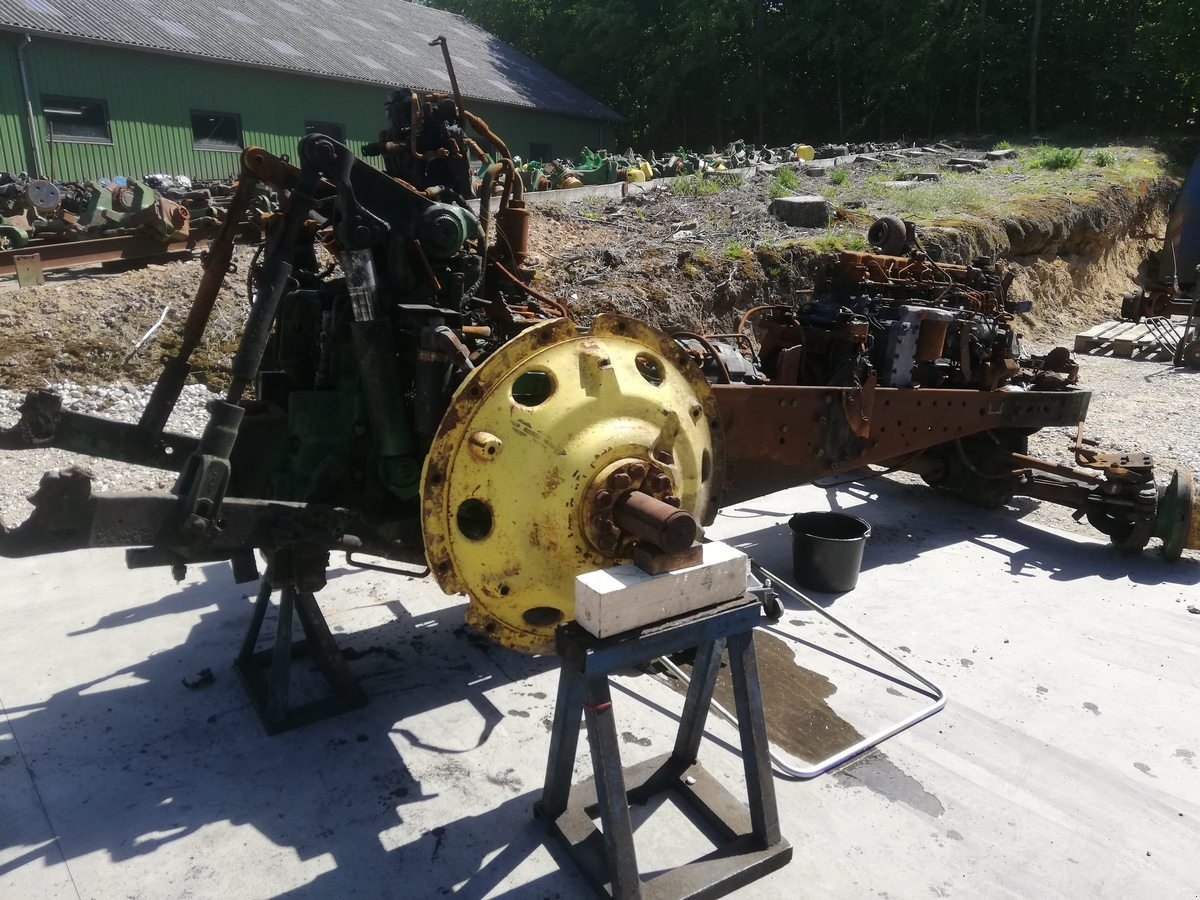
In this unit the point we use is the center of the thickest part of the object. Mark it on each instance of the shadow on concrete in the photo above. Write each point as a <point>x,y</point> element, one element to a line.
<point>135,760</point>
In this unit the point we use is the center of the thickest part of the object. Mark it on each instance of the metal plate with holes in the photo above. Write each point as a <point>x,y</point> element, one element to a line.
<point>526,437</point>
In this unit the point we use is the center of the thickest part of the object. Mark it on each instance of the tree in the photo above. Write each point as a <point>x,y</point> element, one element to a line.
<point>1035,33</point>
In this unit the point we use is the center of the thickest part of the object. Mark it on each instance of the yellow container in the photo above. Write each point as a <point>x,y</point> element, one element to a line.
<point>647,170</point>
<point>634,175</point>
<point>805,152</point>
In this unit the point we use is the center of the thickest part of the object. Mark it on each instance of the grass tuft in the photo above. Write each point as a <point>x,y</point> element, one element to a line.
<point>1056,158</point>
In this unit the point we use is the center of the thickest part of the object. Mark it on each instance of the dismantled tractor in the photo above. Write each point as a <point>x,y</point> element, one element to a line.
<point>401,390</point>
<point>911,364</point>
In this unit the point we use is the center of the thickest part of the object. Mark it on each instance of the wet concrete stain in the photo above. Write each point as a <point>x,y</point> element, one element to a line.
<point>1092,708</point>
<point>1043,690</point>
<point>894,692</point>
<point>1144,769</point>
<point>904,649</point>
<point>801,722</point>
<point>1186,755</point>
<point>965,663</point>
<point>519,713</point>
<point>878,773</point>
<point>954,835</point>
<point>629,737</point>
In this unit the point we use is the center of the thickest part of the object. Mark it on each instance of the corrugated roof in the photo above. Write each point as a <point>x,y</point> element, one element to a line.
<point>384,42</point>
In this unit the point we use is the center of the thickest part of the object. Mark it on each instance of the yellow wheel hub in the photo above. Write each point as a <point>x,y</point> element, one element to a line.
<point>531,436</point>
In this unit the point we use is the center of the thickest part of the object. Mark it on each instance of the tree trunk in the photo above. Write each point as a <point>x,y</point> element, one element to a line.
<point>982,38</point>
<point>1130,62</point>
<point>1035,33</point>
<point>760,89</point>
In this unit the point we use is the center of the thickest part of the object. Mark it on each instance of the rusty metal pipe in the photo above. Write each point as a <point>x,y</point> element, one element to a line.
<point>649,519</point>
<point>176,370</point>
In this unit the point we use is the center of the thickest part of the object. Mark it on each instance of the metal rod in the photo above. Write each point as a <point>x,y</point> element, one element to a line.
<point>445,45</point>
<point>23,66</point>
<point>649,519</point>
<point>805,773</point>
<point>177,369</point>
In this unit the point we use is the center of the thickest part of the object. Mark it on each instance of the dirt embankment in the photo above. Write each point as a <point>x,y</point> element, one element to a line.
<point>1073,256</point>
<point>681,259</point>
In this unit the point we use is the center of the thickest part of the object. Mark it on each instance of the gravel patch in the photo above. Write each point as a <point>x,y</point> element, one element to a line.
<point>20,470</point>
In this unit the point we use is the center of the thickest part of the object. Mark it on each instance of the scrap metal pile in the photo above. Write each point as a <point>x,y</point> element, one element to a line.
<point>421,401</point>
<point>35,211</point>
<point>602,167</point>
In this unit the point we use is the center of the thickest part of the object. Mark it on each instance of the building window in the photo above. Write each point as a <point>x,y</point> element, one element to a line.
<point>329,129</point>
<point>216,131</point>
<point>76,119</point>
<point>540,152</point>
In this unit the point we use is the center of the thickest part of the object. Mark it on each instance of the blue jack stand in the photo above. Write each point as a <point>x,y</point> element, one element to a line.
<point>753,844</point>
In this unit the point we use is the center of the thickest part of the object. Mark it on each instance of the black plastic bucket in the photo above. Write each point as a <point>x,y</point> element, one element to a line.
<point>827,550</point>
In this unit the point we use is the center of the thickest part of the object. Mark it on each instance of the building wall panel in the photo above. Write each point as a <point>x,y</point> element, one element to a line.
<point>150,98</point>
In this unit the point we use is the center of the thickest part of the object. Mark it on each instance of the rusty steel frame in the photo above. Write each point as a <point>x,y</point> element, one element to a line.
<point>65,254</point>
<point>779,437</point>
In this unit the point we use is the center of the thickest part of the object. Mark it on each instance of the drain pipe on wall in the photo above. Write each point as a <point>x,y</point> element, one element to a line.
<point>31,121</point>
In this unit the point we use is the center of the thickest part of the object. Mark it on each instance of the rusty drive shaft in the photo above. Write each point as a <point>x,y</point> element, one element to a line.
<point>655,522</point>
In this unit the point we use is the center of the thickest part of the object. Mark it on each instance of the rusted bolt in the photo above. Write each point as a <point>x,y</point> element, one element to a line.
<point>637,471</point>
<point>619,481</point>
<point>672,500</point>
<point>604,499</point>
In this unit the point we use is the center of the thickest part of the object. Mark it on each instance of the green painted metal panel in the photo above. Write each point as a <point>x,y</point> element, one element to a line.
<point>150,98</point>
<point>13,149</point>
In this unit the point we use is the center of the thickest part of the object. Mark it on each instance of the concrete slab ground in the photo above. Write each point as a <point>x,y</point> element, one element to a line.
<point>1063,766</point>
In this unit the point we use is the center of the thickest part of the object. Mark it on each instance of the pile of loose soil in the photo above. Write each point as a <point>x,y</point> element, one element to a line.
<point>82,325</point>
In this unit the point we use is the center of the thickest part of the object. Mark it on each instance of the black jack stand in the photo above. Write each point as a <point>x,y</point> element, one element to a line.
<point>753,844</point>
<point>266,673</point>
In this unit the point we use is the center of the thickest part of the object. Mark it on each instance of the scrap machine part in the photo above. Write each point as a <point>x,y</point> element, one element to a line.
<point>782,436</point>
<point>1178,516</point>
<point>532,438</point>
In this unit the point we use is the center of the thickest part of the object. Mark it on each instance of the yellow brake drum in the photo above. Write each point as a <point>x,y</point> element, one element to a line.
<point>519,454</point>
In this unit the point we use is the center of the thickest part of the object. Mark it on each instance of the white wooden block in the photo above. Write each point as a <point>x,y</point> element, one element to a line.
<point>621,598</point>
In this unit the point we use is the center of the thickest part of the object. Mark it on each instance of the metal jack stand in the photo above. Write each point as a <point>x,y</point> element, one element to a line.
<point>266,673</point>
<point>753,843</point>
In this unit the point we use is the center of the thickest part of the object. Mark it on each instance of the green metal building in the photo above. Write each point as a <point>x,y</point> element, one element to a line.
<point>98,88</point>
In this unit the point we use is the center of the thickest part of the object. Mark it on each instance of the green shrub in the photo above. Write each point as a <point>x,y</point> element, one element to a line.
<point>1103,158</point>
<point>785,182</point>
<point>838,176</point>
<point>696,186</point>
<point>1055,158</point>
<point>734,250</point>
<point>1003,145</point>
